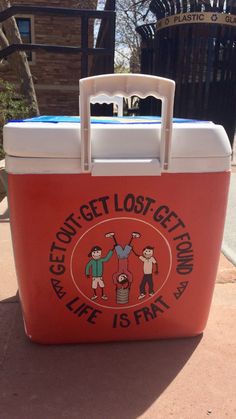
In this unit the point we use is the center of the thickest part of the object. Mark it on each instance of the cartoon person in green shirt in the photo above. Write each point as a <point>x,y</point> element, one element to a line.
<point>95,267</point>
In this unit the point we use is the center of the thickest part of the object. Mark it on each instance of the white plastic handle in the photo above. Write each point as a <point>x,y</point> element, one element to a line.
<point>118,100</point>
<point>127,85</point>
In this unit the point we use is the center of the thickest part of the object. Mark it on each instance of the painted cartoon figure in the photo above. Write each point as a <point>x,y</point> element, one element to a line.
<point>123,277</point>
<point>123,285</point>
<point>148,261</point>
<point>96,266</point>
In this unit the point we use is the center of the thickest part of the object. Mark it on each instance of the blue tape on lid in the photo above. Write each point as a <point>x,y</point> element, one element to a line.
<point>106,120</point>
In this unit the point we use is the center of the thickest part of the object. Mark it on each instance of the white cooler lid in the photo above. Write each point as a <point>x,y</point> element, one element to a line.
<point>50,144</point>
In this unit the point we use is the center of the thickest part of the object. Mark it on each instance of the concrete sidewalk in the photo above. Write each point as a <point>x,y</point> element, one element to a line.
<point>186,378</point>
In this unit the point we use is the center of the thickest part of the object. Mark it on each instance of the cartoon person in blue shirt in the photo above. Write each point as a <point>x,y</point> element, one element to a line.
<point>94,268</point>
<point>122,278</point>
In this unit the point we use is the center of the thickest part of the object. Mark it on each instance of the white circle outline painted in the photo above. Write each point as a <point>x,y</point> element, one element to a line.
<point>115,219</point>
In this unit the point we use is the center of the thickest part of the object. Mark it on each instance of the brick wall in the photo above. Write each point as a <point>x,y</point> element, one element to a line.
<point>56,76</point>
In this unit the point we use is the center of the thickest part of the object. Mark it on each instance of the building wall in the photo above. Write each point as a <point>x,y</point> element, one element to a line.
<point>56,76</point>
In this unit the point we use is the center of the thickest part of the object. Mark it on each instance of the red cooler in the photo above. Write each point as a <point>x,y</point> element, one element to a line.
<point>116,223</point>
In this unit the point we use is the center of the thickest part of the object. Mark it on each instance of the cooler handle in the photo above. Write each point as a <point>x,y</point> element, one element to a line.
<point>127,85</point>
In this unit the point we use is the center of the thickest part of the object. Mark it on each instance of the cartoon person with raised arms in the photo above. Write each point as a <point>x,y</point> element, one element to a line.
<point>148,263</point>
<point>95,266</point>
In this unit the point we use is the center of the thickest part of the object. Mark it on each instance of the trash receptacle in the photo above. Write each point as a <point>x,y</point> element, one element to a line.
<point>116,223</point>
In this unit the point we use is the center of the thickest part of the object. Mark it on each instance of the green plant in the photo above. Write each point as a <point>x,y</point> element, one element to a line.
<point>12,106</point>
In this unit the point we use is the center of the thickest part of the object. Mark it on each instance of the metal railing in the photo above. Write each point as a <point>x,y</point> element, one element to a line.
<point>107,17</point>
<point>194,43</point>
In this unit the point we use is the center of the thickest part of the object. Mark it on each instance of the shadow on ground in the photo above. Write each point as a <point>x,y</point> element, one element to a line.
<point>112,380</point>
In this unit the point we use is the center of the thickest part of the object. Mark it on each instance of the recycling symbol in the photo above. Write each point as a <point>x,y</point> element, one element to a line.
<point>214,17</point>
